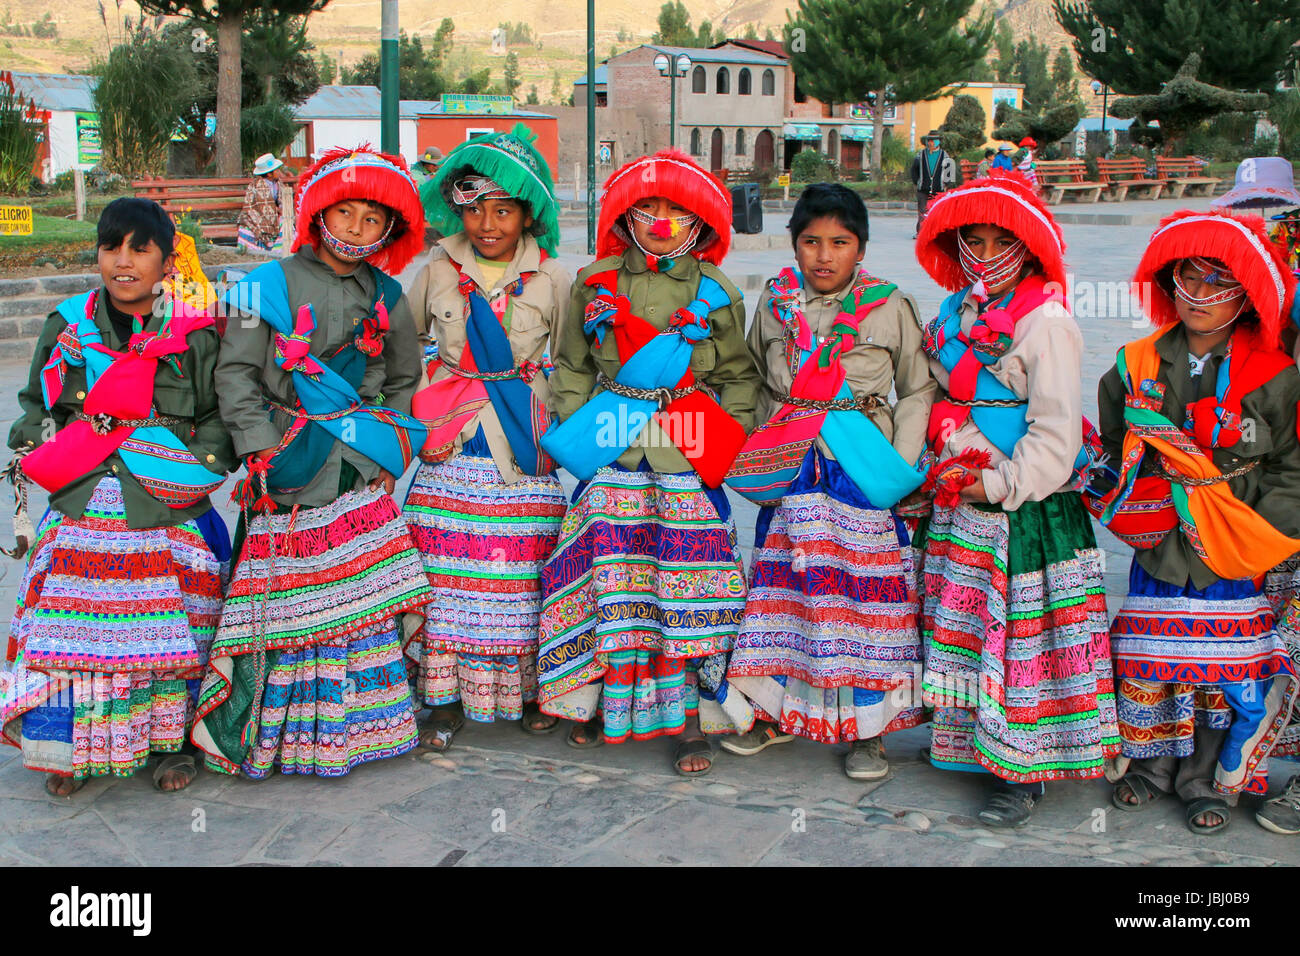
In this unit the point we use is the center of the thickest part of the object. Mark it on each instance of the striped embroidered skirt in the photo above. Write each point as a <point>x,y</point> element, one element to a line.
<point>645,583</point>
<point>109,638</point>
<point>1186,656</point>
<point>483,543</point>
<point>326,602</point>
<point>1282,588</point>
<point>830,647</point>
<point>1018,664</point>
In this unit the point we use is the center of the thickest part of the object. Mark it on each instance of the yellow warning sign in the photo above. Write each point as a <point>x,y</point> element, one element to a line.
<point>15,220</point>
<point>783,179</point>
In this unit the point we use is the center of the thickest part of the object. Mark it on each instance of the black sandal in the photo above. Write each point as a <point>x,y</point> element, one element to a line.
<point>1208,805</point>
<point>1008,808</point>
<point>1143,791</point>
<point>535,722</point>
<point>593,732</point>
<point>699,747</point>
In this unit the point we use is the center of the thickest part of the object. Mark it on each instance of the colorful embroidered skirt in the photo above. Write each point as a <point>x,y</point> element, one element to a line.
<point>830,647</point>
<point>1018,664</point>
<point>336,693</point>
<point>1186,656</point>
<point>483,542</point>
<point>109,638</point>
<point>646,578</point>
<point>1282,588</point>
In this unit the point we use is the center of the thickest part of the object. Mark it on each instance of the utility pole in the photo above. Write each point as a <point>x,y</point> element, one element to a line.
<point>389,138</point>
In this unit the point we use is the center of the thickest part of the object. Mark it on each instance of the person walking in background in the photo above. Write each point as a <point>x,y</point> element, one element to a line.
<point>932,171</point>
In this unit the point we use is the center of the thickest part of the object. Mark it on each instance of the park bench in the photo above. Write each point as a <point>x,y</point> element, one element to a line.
<point>968,170</point>
<point>216,203</point>
<point>1059,177</point>
<point>1126,175</point>
<point>1183,175</point>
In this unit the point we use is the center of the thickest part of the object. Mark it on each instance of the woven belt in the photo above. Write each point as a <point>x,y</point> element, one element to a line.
<point>1165,472</point>
<point>300,413</point>
<point>988,402</point>
<point>663,397</point>
<point>482,376</point>
<point>865,403</point>
<point>102,424</point>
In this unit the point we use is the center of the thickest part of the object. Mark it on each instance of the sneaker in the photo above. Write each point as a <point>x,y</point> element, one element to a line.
<point>763,735</point>
<point>866,760</point>
<point>1282,813</point>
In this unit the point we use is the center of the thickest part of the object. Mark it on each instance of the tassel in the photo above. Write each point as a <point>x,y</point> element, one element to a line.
<point>947,478</point>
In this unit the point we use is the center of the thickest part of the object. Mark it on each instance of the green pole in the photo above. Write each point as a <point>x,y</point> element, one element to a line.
<point>389,140</point>
<point>591,127</point>
<point>672,101</point>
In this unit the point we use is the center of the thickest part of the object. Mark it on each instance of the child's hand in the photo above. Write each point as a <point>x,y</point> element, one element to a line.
<point>264,454</point>
<point>975,491</point>
<point>385,481</point>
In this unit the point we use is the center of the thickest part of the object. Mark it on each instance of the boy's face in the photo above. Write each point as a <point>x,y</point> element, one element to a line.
<point>1203,319</point>
<point>494,227</point>
<point>133,276</point>
<point>988,241</point>
<point>828,254</point>
<point>660,208</point>
<point>356,222</point>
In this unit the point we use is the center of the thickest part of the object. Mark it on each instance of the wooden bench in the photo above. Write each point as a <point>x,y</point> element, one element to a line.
<point>1123,176</point>
<point>216,203</point>
<point>1059,177</point>
<point>968,170</point>
<point>1183,175</point>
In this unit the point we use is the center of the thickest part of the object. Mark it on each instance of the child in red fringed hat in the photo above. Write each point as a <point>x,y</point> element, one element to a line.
<point>654,389</point>
<point>316,373</point>
<point>1017,664</point>
<point>1199,421</point>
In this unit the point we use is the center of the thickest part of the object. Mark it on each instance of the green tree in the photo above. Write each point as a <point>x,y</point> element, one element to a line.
<point>1031,70</point>
<point>136,121</point>
<point>419,72</point>
<point>512,80</point>
<point>1182,104</point>
<point>1046,127</point>
<point>1135,45</point>
<point>555,85</point>
<point>853,51</point>
<point>327,68</point>
<point>706,37</point>
<point>443,39</point>
<point>768,34</point>
<point>751,31</point>
<point>228,18</point>
<point>266,128</point>
<point>674,26</point>
<point>1065,90</point>
<point>1004,67</point>
<point>532,96</point>
<point>963,127</point>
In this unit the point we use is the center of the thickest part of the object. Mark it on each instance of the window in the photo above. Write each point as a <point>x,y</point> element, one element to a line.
<point>769,83</point>
<point>698,80</point>
<point>744,83</point>
<point>723,84</point>
<point>695,142</point>
<point>799,95</point>
<point>740,142</point>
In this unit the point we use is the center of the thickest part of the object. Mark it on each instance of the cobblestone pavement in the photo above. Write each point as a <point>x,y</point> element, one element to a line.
<point>501,796</point>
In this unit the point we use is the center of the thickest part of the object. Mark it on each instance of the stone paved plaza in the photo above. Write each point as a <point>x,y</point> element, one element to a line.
<point>501,796</point>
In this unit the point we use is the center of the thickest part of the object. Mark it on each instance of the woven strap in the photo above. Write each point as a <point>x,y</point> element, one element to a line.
<point>102,424</point>
<point>526,371</point>
<point>865,403</point>
<point>1187,481</point>
<point>663,397</point>
<point>301,413</point>
<point>988,402</point>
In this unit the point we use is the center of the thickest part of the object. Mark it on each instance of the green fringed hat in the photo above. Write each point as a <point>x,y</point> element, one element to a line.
<point>513,163</point>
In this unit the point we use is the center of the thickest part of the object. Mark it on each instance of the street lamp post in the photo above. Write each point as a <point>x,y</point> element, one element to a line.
<point>672,69</point>
<point>1101,88</point>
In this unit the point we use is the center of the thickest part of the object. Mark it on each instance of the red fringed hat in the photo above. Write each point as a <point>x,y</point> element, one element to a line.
<point>1240,242</point>
<point>1003,199</point>
<point>364,173</point>
<point>672,174</point>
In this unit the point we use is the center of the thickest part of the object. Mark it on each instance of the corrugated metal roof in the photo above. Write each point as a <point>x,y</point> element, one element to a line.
<point>602,76</point>
<point>58,91</point>
<point>732,55</point>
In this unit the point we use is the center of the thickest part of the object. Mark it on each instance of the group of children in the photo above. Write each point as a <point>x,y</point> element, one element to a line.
<point>923,551</point>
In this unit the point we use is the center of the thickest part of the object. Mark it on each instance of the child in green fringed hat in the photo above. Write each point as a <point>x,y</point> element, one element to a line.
<point>485,506</point>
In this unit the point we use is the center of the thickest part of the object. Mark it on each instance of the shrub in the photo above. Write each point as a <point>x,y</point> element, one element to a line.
<point>894,155</point>
<point>811,166</point>
<point>266,128</point>
<point>20,125</point>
